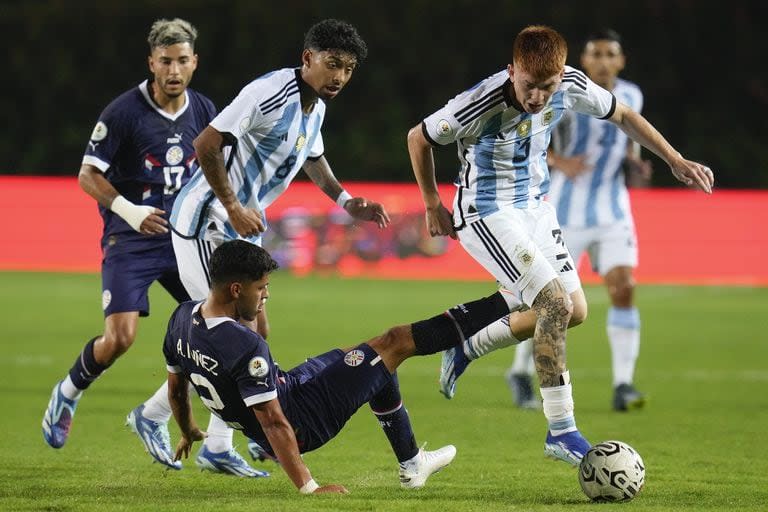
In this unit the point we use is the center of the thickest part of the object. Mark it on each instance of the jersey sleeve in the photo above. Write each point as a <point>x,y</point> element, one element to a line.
<point>241,115</point>
<point>106,138</point>
<point>169,349</point>
<point>457,119</point>
<point>586,97</point>
<point>318,148</point>
<point>255,375</point>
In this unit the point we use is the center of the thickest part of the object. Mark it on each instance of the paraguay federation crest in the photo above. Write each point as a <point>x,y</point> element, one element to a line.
<point>354,357</point>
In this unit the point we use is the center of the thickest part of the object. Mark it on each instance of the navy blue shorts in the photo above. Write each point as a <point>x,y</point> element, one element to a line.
<point>126,278</point>
<point>331,388</point>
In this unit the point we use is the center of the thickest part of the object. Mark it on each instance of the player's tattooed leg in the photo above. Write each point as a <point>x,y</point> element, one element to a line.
<point>553,310</point>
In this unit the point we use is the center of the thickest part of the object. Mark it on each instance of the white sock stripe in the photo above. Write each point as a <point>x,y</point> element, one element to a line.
<point>384,413</point>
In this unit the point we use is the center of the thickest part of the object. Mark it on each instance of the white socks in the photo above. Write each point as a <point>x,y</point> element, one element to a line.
<point>558,407</point>
<point>490,338</point>
<point>523,363</point>
<point>219,435</point>
<point>623,327</point>
<point>69,390</point>
<point>157,408</point>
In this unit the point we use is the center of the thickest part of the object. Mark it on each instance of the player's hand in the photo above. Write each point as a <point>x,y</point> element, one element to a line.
<point>185,443</point>
<point>572,166</point>
<point>693,174</point>
<point>246,221</point>
<point>154,224</point>
<point>440,222</point>
<point>331,489</point>
<point>362,209</point>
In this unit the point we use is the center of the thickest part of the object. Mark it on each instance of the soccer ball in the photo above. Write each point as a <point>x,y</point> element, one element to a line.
<point>611,471</point>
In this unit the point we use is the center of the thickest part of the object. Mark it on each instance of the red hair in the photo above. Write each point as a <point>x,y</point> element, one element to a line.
<point>540,51</point>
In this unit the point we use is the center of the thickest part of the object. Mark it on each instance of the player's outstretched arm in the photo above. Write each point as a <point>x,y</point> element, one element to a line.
<point>178,395</point>
<point>438,218</point>
<point>281,437</point>
<point>640,130</point>
<point>246,221</point>
<point>319,171</point>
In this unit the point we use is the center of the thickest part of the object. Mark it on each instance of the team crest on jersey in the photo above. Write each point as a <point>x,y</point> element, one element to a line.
<point>258,367</point>
<point>99,132</point>
<point>354,357</point>
<point>106,299</point>
<point>301,142</point>
<point>174,155</point>
<point>444,128</point>
<point>547,115</point>
<point>524,128</point>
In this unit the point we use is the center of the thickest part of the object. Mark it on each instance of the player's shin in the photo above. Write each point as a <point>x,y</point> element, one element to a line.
<point>85,370</point>
<point>458,323</point>
<point>387,406</point>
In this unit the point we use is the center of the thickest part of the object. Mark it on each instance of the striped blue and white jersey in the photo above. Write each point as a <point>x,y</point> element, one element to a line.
<point>502,150</point>
<point>599,196</point>
<point>272,138</point>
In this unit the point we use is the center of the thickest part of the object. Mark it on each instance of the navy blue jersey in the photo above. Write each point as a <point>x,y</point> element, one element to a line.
<point>147,155</point>
<point>232,369</point>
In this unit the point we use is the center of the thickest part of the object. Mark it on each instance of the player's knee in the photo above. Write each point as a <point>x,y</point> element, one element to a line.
<point>396,340</point>
<point>118,341</point>
<point>622,292</point>
<point>579,313</point>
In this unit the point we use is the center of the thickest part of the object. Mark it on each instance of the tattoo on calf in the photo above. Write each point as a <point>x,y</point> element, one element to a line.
<point>553,311</point>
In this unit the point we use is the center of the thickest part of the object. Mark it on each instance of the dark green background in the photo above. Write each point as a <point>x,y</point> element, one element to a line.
<point>701,67</point>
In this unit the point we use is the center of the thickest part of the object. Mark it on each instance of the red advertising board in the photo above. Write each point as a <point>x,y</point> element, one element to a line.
<point>685,237</point>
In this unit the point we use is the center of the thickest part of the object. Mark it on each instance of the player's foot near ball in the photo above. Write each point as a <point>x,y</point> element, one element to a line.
<point>627,398</point>
<point>569,447</point>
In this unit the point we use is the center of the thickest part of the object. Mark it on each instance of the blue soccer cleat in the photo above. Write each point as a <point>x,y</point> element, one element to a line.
<point>58,418</point>
<point>258,453</point>
<point>452,366</point>
<point>569,447</point>
<point>154,436</point>
<point>229,462</point>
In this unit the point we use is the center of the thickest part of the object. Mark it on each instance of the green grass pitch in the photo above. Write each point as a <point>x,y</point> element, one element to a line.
<point>703,364</point>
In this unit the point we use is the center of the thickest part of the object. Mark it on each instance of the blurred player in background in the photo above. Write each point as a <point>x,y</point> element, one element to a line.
<point>139,155</point>
<point>590,197</point>
<point>502,127</point>
<point>299,410</point>
<point>249,154</point>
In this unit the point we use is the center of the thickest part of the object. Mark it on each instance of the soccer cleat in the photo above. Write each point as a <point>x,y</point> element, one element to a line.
<point>415,472</point>
<point>229,462</point>
<point>58,418</point>
<point>453,364</point>
<point>626,398</point>
<point>154,436</point>
<point>522,390</point>
<point>258,453</point>
<point>569,447</point>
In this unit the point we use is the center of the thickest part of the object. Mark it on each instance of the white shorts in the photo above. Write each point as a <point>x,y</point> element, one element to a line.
<point>192,256</point>
<point>523,249</point>
<point>610,246</point>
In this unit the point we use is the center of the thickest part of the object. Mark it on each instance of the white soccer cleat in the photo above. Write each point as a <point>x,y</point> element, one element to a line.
<point>415,472</point>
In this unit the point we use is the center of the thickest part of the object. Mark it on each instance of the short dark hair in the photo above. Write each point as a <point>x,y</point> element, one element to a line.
<point>238,260</point>
<point>334,34</point>
<point>603,34</point>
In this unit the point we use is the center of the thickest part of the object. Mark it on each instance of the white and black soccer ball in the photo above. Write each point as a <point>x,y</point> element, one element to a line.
<point>611,471</point>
